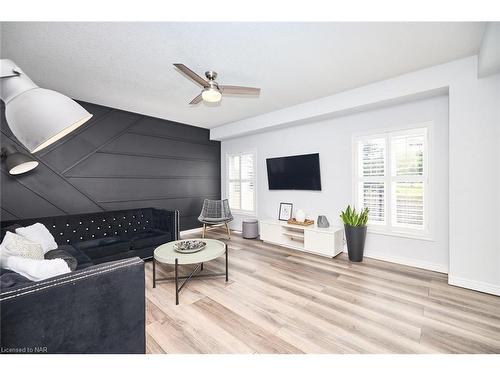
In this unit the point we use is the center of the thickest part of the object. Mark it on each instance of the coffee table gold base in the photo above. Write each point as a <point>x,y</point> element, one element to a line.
<point>195,274</point>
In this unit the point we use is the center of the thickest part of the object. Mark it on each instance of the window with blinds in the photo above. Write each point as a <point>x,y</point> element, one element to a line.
<point>371,180</point>
<point>408,180</point>
<point>391,179</point>
<point>241,181</point>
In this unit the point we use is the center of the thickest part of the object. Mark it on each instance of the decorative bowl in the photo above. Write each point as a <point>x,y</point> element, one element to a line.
<point>189,246</point>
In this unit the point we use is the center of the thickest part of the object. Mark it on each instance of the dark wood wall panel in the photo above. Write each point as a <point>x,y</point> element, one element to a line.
<point>6,215</point>
<point>73,151</point>
<point>118,160</point>
<point>131,142</point>
<point>156,127</point>
<point>44,182</point>
<point>26,202</point>
<point>98,111</point>
<point>51,186</point>
<point>130,189</point>
<point>119,165</point>
<point>188,206</point>
<point>189,221</point>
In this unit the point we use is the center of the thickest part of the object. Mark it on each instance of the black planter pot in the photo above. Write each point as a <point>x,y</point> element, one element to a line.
<point>355,237</point>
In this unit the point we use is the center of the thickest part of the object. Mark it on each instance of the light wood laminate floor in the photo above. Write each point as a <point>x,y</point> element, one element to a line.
<point>279,300</point>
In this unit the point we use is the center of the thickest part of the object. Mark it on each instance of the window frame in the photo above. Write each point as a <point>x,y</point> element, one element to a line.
<point>240,180</point>
<point>389,178</point>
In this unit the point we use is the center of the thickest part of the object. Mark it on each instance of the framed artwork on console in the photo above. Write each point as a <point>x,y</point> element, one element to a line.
<point>285,211</point>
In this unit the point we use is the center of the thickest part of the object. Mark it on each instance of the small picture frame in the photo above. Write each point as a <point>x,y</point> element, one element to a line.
<point>285,211</point>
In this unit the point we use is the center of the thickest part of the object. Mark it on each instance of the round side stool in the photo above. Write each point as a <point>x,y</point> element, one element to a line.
<point>250,229</point>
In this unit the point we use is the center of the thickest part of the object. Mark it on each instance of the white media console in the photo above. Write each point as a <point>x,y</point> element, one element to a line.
<point>323,241</point>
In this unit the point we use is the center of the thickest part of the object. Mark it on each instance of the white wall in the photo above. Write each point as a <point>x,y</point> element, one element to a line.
<point>474,183</point>
<point>333,140</point>
<point>489,54</point>
<point>474,153</point>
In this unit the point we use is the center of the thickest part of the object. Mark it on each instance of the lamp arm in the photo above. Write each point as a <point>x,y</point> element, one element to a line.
<point>13,81</point>
<point>8,75</point>
<point>8,69</point>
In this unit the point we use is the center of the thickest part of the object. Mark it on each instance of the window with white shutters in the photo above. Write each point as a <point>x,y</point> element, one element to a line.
<point>241,182</point>
<point>392,179</point>
<point>407,166</point>
<point>371,186</point>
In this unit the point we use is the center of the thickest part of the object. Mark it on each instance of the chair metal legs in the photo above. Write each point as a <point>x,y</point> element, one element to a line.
<point>228,231</point>
<point>204,230</point>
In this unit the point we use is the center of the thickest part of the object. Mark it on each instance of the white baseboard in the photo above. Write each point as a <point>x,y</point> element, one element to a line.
<point>474,285</point>
<point>406,261</point>
<point>191,231</point>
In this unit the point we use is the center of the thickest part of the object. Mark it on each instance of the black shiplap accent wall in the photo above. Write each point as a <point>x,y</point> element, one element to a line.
<point>118,160</point>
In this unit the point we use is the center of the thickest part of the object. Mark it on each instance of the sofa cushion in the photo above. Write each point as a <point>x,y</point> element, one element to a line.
<point>15,245</point>
<point>40,234</point>
<point>37,269</point>
<point>4,271</point>
<point>61,254</point>
<point>83,261</point>
<point>107,248</point>
<point>12,228</point>
<point>82,245</point>
<point>150,238</point>
<point>215,219</point>
<point>10,279</point>
<point>119,256</point>
<point>145,252</point>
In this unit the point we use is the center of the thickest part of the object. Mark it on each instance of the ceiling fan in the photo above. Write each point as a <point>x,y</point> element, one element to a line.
<point>212,92</point>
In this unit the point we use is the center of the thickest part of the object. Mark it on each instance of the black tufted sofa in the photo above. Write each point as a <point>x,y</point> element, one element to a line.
<point>110,235</point>
<point>100,307</point>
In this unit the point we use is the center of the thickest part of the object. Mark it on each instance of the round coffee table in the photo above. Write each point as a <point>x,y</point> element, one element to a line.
<point>167,255</point>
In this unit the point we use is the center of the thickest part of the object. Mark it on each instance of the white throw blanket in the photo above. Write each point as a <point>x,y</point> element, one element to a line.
<point>36,269</point>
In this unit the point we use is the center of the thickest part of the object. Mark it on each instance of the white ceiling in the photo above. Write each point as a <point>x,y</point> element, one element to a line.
<point>129,65</point>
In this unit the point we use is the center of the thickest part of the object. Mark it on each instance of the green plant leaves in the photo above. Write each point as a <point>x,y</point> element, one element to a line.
<point>353,218</point>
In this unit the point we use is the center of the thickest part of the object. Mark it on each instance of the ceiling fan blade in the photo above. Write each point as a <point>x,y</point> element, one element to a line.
<point>196,100</point>
<point>195,77</point>
<point>239,90</point>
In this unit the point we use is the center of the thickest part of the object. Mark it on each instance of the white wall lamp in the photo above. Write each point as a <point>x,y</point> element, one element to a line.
<point>37,117</point>
<point>17,162</point>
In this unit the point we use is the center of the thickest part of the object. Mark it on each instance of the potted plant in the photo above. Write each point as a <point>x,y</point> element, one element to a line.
<point>355,232</point>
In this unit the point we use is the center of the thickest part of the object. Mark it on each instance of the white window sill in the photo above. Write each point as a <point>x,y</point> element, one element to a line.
<point>414,236</point>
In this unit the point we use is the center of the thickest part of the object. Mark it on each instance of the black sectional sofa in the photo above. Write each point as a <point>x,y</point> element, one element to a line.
<point>100,307</point>
<point>110,235</point>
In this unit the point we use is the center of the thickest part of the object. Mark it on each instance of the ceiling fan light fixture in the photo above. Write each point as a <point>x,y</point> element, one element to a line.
<point>211,95</point>
<point>212,91</point>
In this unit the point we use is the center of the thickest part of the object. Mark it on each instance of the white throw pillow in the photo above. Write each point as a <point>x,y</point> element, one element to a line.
<point>39,233</point>
<point>16,245</point>
<point>35,269</point>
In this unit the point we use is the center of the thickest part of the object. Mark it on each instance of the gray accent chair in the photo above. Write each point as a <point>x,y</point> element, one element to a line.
<point>215,213</point>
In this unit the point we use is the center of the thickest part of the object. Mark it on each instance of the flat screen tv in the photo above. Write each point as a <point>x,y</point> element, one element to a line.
<point>300,172</point>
